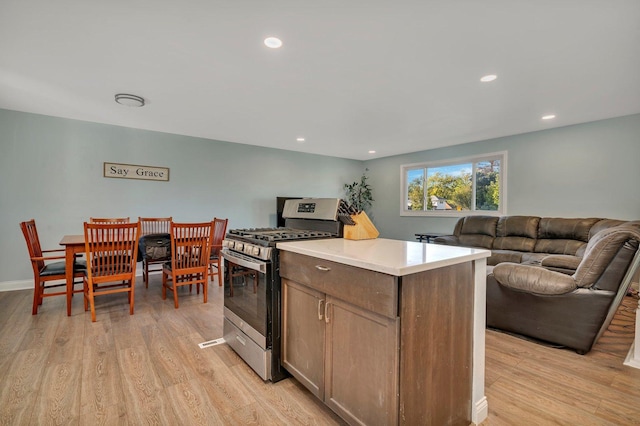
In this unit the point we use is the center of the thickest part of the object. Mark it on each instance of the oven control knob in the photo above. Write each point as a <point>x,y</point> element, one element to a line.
<point>256,251</point>
<point>239,246</point>
<point>227,243</point>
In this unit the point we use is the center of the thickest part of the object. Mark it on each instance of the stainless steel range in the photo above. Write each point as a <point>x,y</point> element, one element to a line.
<point>252,299</point>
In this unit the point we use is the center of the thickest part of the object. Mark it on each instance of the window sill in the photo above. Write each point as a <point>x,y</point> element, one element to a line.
<point>449,213</point>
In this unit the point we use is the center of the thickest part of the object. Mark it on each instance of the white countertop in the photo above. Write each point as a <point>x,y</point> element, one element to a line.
<point>392,257</point>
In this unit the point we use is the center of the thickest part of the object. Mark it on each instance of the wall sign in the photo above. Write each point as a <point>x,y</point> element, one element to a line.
<point>132,171</point>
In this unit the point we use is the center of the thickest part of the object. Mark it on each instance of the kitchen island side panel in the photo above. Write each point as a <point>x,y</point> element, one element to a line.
<point>436,353</point>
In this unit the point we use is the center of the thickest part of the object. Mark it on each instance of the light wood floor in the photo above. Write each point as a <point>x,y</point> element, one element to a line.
<point>148,369</point>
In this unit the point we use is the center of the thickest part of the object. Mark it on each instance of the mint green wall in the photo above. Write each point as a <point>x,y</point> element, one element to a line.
<point>51,170</point>
<point>585,170</point>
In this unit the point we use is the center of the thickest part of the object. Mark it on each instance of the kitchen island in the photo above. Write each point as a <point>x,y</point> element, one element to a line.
<point>386,331</point>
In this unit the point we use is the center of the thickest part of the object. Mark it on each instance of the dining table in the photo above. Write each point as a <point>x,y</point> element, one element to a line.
<point>73,245</point>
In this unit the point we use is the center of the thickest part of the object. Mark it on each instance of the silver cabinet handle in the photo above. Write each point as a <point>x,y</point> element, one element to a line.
<point>326,312</point>
<point>322,268</point>
<point>320,310</point>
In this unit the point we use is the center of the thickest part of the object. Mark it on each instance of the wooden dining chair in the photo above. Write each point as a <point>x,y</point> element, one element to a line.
<point>111,250</point>
<point>151,253</point>
<point>189,264</point>
<point>219,231</point>
<point>109,220</point>
<point>154,225</point>
<point>45,271</point>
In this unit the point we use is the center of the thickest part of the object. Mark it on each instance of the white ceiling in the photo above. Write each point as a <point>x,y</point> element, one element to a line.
<point>352,75</point>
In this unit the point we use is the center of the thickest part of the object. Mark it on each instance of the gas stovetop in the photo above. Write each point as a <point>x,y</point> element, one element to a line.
<point>260,242</point>
<point>276,234</point>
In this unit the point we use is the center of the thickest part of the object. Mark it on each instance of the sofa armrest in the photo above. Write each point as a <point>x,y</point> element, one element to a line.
<point>449,240</point>
<point>533,279</point>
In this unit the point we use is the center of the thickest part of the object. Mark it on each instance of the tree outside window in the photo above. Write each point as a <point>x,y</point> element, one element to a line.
<point>456,186</point>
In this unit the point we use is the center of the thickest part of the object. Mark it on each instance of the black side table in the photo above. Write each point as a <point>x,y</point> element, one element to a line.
<point>428,236</point>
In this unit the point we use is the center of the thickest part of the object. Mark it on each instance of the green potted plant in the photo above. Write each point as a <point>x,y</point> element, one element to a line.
<point>359,194</point>
<point>359,198</point>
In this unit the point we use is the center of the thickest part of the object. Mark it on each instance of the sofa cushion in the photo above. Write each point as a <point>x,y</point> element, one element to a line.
<point>514,243</point>
<point>560,246</point>
<point>614,274</point>
<point>597,227</point>
<point>484,225</point>
<point>533,258</point>
<point>518,226</point>
<point>561,262</point>
<point>604,224</point>
<point>499,256</point>
<point>569,229</point>
<point>602,248</point>
<point>478,231</point>
<point>516,233</point>
<point>475,240</point>
<point>450,240</point>
<point>563,236</point>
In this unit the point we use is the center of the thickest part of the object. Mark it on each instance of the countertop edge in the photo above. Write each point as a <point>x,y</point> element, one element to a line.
<point>336,256</point>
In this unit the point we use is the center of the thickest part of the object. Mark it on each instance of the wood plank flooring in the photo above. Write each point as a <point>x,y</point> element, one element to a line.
<point>148,369</point>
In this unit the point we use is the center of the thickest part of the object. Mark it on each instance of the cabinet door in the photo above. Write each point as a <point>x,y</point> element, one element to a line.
<point>361,364</point>
<point>303,339</point>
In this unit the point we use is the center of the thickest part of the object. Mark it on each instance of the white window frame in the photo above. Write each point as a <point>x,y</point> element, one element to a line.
<point>502,210</point>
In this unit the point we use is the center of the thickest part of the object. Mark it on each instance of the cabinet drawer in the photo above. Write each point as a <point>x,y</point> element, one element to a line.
<point>374,291</point>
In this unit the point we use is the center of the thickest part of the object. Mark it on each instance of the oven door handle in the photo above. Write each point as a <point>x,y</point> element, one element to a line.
<point>254,265</point>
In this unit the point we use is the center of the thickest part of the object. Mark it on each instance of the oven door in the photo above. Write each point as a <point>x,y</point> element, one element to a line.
<point>252,313</point>
<point>247,299</point>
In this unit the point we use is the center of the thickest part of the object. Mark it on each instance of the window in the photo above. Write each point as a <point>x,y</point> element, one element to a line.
<point>455,187</point>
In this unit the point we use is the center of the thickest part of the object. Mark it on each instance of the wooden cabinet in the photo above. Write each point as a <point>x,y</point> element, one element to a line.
<point>380,349</point>
<point>303,335</point>
<point>344,354</point>
<point>361,364</point>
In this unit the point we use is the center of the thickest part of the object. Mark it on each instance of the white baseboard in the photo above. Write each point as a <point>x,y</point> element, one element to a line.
<point>28,284</point>
<point>481,411</point>
<point>16,285</point>
<point>631,360</point>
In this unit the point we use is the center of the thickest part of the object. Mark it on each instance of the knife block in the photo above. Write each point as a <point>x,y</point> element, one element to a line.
<point>362,230</point>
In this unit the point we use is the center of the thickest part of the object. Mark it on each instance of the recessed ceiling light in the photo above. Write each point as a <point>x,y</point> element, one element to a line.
<point>488,78</point>
<point>273,42</point>
<point>300,140</point>
<point>549,117</point>
<point>129,100</point>
<point>372,152</point>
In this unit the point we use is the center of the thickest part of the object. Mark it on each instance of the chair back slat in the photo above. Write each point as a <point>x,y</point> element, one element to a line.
<point>219,231</point>
<point>154,225</point>
<point>190,246</point>
<point>109,220</point>
<point>33,242</point>
<point>111,248</point>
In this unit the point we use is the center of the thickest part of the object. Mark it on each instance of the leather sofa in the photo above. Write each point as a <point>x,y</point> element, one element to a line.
<point>556,280</point>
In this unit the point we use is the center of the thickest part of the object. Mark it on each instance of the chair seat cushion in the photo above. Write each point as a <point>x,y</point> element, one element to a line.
<point>58,268</point>
<point>561,261</point>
